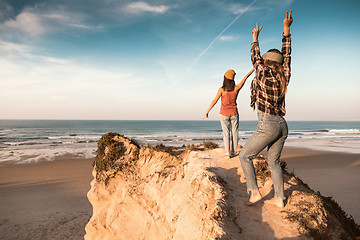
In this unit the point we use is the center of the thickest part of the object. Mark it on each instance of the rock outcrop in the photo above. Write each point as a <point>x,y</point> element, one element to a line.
<point>144,193</point>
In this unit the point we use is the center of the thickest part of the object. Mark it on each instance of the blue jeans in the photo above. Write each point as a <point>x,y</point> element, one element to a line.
<point>230,124</point>
<point>271,132</point>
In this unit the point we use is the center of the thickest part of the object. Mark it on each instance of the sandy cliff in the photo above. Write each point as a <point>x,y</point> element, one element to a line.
<point>147,193</point>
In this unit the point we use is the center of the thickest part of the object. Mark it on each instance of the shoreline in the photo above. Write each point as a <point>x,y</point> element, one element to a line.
<point>48,198</point>
<point>35,154</point>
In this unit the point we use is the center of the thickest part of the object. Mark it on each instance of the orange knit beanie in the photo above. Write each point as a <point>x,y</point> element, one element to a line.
<point>230,74</point>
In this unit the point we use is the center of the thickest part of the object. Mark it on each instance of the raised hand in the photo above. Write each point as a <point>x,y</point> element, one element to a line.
<point>205,116</point>
<point>287,22</point>
<point>255,32</point>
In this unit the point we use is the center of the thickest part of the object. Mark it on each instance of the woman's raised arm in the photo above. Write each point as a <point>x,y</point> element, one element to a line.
<point>241,84</point>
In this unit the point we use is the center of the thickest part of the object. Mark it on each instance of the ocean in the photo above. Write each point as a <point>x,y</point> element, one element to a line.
<point>24,141</point>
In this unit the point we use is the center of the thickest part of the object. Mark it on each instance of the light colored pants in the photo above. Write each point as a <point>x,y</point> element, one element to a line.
<point>230,125</point>
<point>271,132</point>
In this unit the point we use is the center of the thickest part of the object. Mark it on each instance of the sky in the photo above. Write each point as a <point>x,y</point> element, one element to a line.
<point>165,60</point>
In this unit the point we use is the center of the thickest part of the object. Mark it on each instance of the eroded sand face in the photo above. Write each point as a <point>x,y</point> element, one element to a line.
<point>163,197</point>
<point>200,195</point>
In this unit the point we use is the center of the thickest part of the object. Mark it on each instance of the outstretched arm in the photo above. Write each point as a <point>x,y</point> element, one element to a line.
<point>241,84</point>
<point>286,45</point>
<point>216,99</point>
<point>255,50</point>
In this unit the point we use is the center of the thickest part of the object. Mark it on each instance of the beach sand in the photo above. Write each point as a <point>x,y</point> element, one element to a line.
<point>333,174</point>
<point>45,200</point>
<point>48,200</point>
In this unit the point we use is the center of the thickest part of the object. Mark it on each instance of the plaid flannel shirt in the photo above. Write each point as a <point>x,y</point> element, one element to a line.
<point>265,88</point>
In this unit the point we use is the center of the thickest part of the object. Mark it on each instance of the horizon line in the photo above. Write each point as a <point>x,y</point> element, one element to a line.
<point>64,119</point>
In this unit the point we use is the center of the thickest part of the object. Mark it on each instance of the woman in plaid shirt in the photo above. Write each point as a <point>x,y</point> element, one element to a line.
<point>268,94</point>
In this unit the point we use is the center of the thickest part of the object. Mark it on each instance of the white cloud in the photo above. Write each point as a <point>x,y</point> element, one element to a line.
<point>39,21</point>
<point>228,38</point>
<point>280,2</point>
<point>9,47</point>
<point>26,22</point>
<point>47,17</point>
<point>21,67</point>
<point>141,7</point>
<point>67,19</point>
<point>238,9</point>
<point>21,52</point>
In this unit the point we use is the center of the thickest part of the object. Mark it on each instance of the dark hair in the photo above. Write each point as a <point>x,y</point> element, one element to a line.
<point>228,84</point>
<point>278,69</point>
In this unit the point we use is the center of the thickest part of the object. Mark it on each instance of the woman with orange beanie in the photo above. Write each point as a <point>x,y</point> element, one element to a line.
<point>229,116</point>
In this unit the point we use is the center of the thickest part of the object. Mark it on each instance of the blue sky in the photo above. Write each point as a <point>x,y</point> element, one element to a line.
<point>119,59</point>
